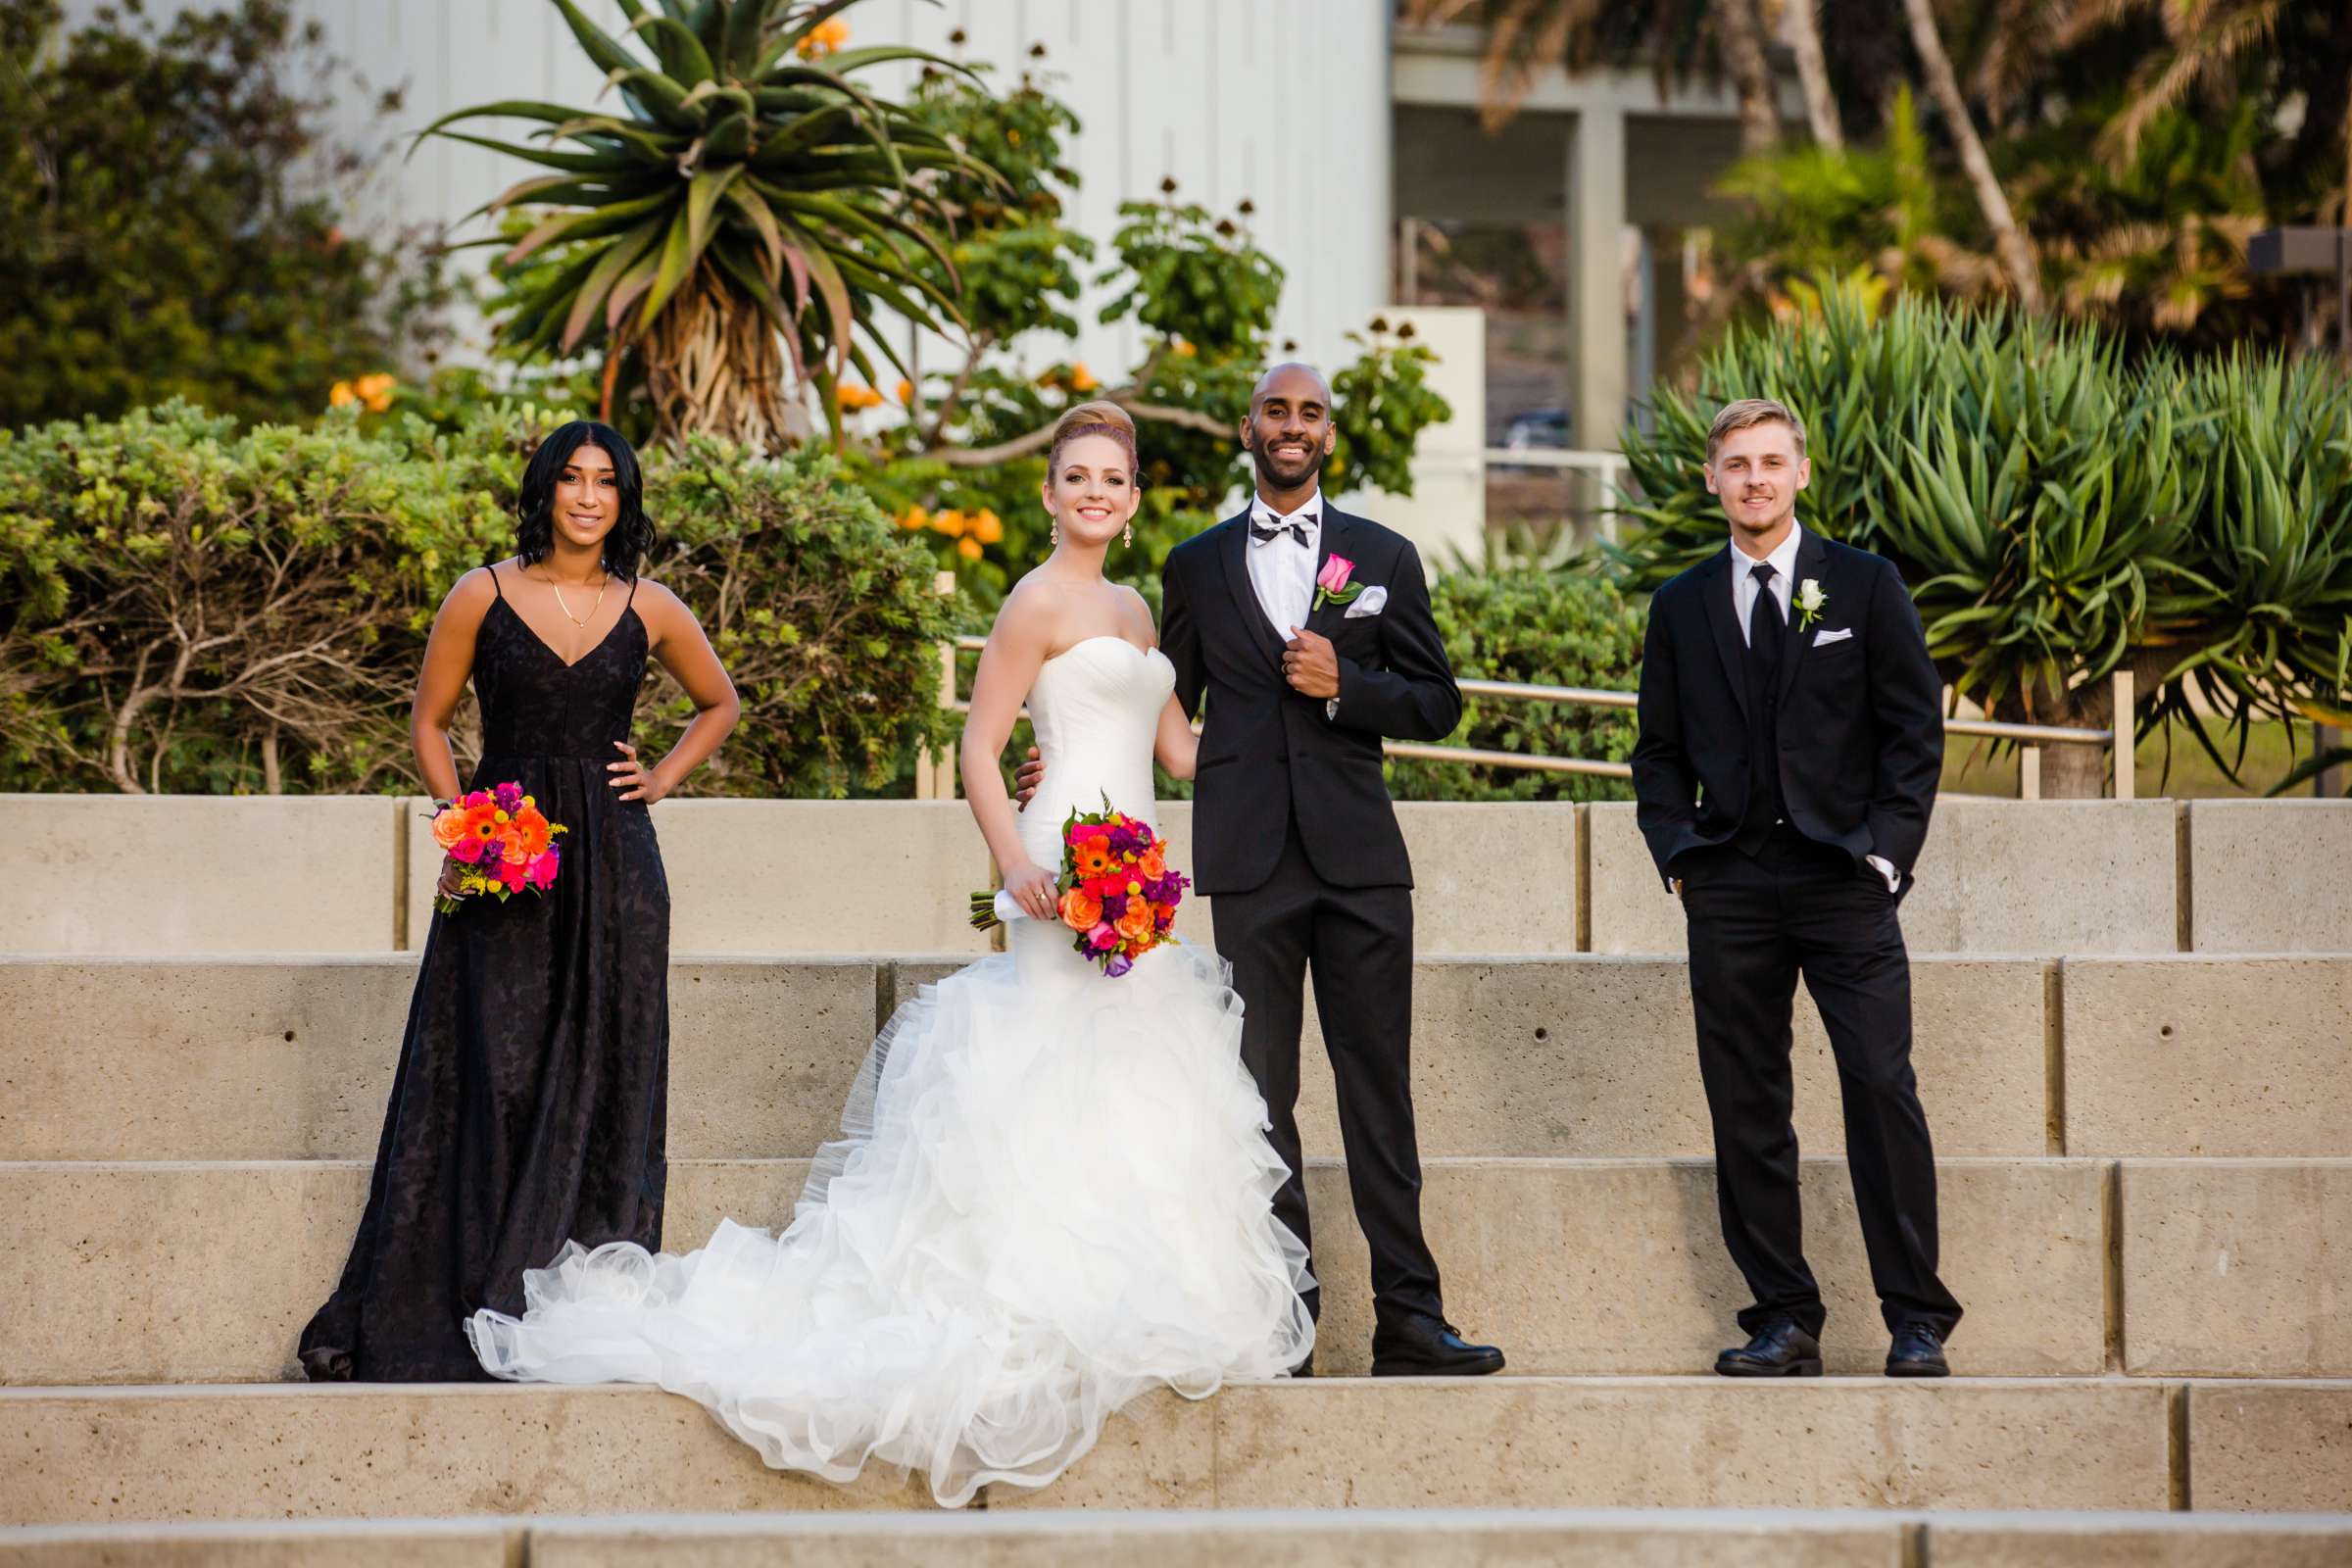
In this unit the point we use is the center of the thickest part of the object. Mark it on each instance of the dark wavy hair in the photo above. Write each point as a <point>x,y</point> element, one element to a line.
<point>632,537</point>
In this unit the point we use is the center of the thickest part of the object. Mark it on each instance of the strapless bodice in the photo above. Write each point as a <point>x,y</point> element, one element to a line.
<point>1096,708</point>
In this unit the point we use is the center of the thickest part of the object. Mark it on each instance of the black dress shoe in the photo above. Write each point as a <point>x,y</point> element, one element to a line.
<point>1779,1351</point>
<point>1917,1353</point>
<point>1428,1347</point>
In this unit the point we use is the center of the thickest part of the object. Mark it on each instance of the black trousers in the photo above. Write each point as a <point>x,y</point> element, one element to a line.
<point>1358,941</point>
<point>1757,922</point>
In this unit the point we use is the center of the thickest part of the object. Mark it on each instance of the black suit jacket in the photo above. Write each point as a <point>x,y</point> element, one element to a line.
<point>1266,748</point>
<point>1861,726</point>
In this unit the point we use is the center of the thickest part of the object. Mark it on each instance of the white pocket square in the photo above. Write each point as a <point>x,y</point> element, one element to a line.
<point>1822,639</point>
<point>1371,602</point>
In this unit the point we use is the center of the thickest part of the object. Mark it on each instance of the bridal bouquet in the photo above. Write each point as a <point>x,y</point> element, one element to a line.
<point>498,843</point>
<point>1118,896</point>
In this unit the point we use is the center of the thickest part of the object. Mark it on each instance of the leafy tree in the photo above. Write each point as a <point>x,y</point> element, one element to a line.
<point>162,229</point>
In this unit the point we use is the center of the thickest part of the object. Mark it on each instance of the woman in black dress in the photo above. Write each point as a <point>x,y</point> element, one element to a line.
<point>528,1107</point>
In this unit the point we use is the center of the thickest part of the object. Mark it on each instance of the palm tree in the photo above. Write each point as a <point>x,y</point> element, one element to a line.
<point>1943,86</point>
<point>736,224</point>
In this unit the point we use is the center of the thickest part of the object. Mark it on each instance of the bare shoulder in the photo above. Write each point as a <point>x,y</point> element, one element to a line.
<point>470,596</point>
<point>648,594</point>
<point>1138,611</point>
<point>1030,611</point>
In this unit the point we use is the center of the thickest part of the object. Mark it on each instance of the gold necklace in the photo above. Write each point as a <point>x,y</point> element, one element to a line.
<point>566,609</point>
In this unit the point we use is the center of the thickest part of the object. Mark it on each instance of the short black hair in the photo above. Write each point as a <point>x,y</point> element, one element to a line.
<point>632,537</point>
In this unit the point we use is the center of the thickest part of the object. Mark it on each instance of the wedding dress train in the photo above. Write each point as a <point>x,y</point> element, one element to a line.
<point>1053,1191</point>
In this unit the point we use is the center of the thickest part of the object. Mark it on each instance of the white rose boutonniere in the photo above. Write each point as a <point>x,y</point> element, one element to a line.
<point>1810,600</point>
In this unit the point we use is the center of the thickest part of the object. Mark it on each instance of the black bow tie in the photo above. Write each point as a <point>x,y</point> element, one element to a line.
<point>1295,527</point>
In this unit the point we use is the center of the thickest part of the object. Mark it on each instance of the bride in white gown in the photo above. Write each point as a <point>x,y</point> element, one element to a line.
<point>1052,1190</point>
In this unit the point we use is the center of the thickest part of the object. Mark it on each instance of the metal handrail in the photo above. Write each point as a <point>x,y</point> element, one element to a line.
<point>2027,736</point>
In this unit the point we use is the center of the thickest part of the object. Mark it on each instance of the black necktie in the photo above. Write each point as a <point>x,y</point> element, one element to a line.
<point>1295,527</point>
<point>1767,632</point>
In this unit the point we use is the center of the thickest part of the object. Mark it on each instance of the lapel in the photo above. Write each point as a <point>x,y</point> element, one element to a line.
<point>1336,531</point>
<point>1233,553</point>
<point>1715,592</point>
<point>1812,561</point>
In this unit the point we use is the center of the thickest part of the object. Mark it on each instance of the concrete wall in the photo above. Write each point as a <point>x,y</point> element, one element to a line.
<point>2271,876</point>
<point>184,875</point>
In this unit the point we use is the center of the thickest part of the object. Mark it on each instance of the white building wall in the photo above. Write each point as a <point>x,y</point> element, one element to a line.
<point>1287,104</point>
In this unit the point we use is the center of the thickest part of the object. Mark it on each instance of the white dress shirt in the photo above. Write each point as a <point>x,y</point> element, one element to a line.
<point>1783,578</point>
<point>1783,587</point>
<point>1282,570</point>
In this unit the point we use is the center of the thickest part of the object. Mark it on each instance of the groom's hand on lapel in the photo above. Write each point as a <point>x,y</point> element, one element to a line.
<point>1026,778</point>
<point>1312,665</point>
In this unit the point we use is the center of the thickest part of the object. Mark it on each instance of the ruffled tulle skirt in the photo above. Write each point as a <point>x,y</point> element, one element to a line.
<point>1053,1191</point>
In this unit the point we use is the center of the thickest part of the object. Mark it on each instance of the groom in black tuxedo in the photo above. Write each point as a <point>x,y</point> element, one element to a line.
<point>1294,834</point>
<point>1790,746</point>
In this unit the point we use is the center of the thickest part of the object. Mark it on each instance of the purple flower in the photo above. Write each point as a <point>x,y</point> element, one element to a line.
<point>1112,909</point>
<point>1118,965</point>
<point>509,797</point>
<point>1143,837</point>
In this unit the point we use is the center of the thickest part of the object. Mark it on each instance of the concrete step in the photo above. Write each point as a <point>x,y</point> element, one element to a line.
<point>188,1273</point>
<point>1581,1056</point>
<point>1428,1537</point>
<point>93,1455</point>
<point>175,875</point>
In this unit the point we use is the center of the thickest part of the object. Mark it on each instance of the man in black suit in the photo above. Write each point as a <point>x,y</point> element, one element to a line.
<point>1792,742</point>
<point>1305,667</point>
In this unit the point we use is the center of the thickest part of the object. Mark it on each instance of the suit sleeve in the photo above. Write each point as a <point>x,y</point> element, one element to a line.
<point>1906,698</point>
<point>1414,699</point>
<point>1180,635</point>
<point>1665,785</point>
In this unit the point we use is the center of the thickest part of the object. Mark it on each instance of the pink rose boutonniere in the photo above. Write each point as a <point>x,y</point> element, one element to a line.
<point>1332,586</point>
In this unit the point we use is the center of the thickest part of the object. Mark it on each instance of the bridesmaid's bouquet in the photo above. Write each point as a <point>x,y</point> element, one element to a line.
<point>1118,896</point>
<point>498,843</point>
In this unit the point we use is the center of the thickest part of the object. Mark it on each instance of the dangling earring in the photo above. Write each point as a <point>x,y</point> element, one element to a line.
<point>1131,535</point>
<point>1053,534</point>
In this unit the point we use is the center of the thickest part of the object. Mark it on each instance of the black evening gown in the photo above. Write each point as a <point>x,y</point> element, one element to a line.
<point>528,1107</point>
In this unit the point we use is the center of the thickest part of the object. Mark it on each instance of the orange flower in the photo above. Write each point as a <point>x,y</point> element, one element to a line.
<point>949,522</point>
<point>1154,865</point>
<point>987,526</point>
<point>481,822</point>
<point>825,38</point>
<point>914,519</point>
<point>1081,380</point>
<point>906,393</point>
<point>449,827</point>
<point>969,549</point>
<point>1136,923</point>
<point>1095,859</point>
<point>341,394</point>
<point>375,391</point>
<point>1079,912</point>
<point>853,398</point>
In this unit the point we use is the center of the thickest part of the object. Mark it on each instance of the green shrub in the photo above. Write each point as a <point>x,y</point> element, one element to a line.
<point>162,233</point>
<point>193,608</point>
<point>2058,512</point>
<point>1562,627</point>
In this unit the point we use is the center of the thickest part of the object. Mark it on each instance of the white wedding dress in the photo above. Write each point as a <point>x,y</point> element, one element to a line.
<point>1053,1191</point>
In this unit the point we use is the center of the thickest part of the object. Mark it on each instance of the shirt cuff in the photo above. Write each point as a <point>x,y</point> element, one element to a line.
<point>1885,868</point>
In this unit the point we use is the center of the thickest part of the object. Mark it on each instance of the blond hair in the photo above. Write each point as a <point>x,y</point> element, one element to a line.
<point>1093,418</point>
<point>1749,411</point>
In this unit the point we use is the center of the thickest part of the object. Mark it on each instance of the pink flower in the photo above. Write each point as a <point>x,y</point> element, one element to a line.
<point>1102,937</point>
<point>468,849</point>
<point>1333,579</point>
<point>511,873</point>
<point>543,870</point>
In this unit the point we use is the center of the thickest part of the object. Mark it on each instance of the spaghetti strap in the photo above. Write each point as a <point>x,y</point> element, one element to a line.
<point>629,603</point>
<point>494,583</point>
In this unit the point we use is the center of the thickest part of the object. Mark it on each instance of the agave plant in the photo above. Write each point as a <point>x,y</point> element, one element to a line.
<point>2059,514</point>
<point>737,221</point>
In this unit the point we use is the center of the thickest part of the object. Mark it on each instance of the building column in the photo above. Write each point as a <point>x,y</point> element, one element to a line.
<point>1597,288</point>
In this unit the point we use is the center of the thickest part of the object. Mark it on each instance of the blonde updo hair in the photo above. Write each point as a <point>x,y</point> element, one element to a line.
<point>1095,418</point>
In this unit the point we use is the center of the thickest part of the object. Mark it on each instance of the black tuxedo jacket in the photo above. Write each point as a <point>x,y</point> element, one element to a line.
<point>1861,726</point>
<point>1265,748</point>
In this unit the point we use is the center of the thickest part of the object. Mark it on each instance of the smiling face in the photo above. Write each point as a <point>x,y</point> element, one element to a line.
<point>1757,473</point>
<point>1289,431</point>
<point>587,500</point>
<point>1091,491</point>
